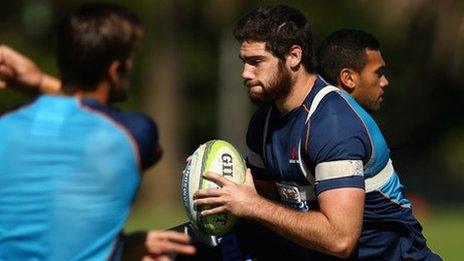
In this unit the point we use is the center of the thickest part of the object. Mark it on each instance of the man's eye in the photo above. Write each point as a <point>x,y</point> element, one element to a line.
<point>380,72</point>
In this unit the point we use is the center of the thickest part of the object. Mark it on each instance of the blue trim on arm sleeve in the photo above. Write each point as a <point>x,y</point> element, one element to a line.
<point>348,182</point>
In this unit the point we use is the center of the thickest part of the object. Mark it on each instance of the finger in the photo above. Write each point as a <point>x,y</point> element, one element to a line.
<point>156,240</point>
<point>2,50</point>
<point>3,85</point>
<point>207,192</point>
<point>183,249</point>
<point>189,158</point>
<point>249,178</point>
<point>10,55</point>
<point>213,211</point>
<point>163,258</point>
<point>5,53</point>
<point>6,71</point>
<point>156,258</point>
<point>148,258</point>
<point>216,178</point>
<point>169,235</point>
<point>165,247</point>
<point>208,201</point>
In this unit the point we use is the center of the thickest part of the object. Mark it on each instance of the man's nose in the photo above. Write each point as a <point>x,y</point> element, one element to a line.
<point>384,82</point>
<point>247,73</point>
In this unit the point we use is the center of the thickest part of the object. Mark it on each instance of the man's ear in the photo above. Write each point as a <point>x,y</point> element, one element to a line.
<point>115,71</point>
<point>347,79</point>
<point>294,57</point>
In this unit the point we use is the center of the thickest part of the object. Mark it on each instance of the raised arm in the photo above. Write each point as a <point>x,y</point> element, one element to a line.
<point>17,69</point>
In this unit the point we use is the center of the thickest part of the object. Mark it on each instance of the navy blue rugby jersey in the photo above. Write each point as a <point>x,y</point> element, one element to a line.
<point>69,170</point>
<point>331,142</point>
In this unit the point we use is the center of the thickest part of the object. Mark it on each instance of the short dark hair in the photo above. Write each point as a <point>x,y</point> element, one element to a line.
<point>280,27</point>
<point>345,48</point>
<point>90,39</point>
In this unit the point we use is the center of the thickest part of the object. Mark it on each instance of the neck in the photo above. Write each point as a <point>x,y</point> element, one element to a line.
<point>302,84</point>
<point>100,94</point>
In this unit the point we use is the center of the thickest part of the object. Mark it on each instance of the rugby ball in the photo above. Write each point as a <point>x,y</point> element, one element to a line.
<point>216,156</point>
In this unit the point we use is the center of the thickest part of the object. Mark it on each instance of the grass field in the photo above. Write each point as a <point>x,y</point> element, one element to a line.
<point>443,227</point>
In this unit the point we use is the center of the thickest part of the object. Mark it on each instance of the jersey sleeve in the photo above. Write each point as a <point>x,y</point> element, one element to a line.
<point>338,145</point>
<point>141,128</point>
<point>145,133</point>
<point>254,141</point>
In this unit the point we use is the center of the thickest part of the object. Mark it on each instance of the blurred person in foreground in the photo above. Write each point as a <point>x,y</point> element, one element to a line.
<point>321,176</point>
<point>70,164</point>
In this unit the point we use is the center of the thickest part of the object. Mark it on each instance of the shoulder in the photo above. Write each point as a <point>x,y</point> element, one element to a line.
<point>333,105</point>
<point>142,129</point>
<point>337,132</point>
<point>337,144</point>
<point>335,116</point>
<point>17,108</point>
<point>145,133</point>
<point>139,124</point>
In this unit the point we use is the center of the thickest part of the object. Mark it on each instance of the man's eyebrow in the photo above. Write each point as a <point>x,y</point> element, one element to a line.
<point>381,69</point>
<point>252,57</point>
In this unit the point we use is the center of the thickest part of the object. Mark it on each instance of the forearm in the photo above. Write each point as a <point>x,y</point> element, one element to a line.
<point>19,71</point>
<point>310,229</point>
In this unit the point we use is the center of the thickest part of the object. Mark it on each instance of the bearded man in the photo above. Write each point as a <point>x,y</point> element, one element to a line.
<point>321,176</point>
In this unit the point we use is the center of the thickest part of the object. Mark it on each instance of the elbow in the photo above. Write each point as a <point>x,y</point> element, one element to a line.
<point>344,248</point>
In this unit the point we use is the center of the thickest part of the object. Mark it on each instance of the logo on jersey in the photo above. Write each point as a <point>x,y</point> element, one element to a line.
<point>289,193</point>
<point>294,156</point>
<point>294,197</point>
<point>357,167</point>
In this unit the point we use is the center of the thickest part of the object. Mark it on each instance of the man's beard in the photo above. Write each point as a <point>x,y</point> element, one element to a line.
<point>278,88</point>
<point>119,93</point>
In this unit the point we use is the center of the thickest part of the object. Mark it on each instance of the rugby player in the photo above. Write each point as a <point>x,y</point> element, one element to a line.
<point>70,165</point>
<point>321,175</point>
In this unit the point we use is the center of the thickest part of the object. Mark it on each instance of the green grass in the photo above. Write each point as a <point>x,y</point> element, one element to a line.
<point>443,227</point>
<point>143,218</point>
